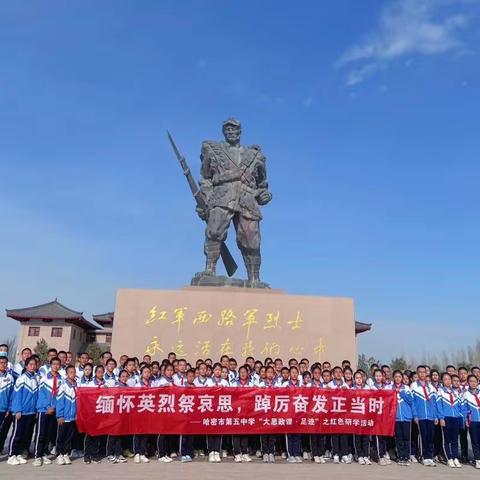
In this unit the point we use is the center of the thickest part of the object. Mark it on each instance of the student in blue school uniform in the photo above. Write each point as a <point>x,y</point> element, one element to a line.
<point>240,442</point>
<point>403,420</point>
<point>361,442</point>
<point>7,383</point>
<point>472,406</point>
<point>140,441</point>
<point>380,440</point>
<point>46,421</point>
<point>317,440</point>
<point>294,440</point>
<point>95,444</point>
<point>340,448</point>
<point>23,408</point>
<point>114,442</point>
<point>109,376</point>
<point>186,441</point>
<point>165,380</point>
<point>267,441</point>
<point>424,409</point>
<point>450,411</point>
<point>66,413</point>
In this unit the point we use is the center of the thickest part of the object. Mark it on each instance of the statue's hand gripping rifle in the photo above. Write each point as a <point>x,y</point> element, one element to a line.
<point>228,261</point>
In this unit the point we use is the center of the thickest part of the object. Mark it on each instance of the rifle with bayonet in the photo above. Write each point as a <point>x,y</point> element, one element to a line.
<point>229,262</point>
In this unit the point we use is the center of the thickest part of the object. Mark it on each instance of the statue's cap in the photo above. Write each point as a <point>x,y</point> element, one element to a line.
<point>232,121</point>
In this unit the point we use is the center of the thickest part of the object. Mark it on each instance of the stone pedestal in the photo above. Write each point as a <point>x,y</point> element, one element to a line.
<point>206,322</point>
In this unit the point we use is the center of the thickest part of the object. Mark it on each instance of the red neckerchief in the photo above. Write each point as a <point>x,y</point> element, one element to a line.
<point>477,399</point>
<point>55,385</point>
<point>243,383</point>
<point>399,387</point>
<point>425,391</point>
<point>450,393</point>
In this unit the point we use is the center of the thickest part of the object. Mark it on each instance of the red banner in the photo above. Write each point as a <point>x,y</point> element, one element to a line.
<point>230,410</point>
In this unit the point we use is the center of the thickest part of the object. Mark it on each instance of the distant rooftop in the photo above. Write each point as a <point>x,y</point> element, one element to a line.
<point>51,311</point>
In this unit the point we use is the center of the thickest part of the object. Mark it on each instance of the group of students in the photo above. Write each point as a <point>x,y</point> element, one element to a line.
<point>436,412</point>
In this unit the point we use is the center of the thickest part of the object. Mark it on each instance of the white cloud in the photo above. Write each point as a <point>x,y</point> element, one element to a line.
<point>406,27</point>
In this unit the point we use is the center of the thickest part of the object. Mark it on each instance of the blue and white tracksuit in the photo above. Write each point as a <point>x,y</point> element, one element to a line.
<point>240,442</point>
<point>424,407</point>
<point>293,440</point>
<point>451,409</point>
<point>472,408</point>
<point>46,425</point>
<point>66,409</point>
<point>24,401</point>
<point>7,382</point>
<point>403,422</point>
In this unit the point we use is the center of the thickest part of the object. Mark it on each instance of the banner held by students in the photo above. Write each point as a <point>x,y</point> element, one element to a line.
<point>227,410</point>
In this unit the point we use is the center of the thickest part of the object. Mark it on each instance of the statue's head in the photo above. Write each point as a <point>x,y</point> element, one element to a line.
<point>232,130</point>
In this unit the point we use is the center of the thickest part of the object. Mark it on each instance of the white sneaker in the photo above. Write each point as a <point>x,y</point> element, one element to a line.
<point>387,455</point>
<point>238,459</point>
<point>361,461</point>
<point>383,462</point>
<point>136,458</point>
<point>258,454</point>
<point>425,463</point>
<point>284,455</point>
<point>298,459</point>
<point>165,459</point>
<point>60,460</point>
<point>13,460</point>
<point>322,459</point>
<point>21,460</point>
<point>53,451</point>
<point>305,455</point>
<point>37,462</point>
<point>432,463</point>
<point>265,458</point>
<point>173,455</point>
<point>271,458</point>
<point>477,464</point>
<point>246,457</point>
<point>450,463</point>
<point>224,454</point>
<point>291,460</point>
<point>46,460</point>
<point>316,459</point>
<point>367,461</point>
<point>67,460</point>
<point>336,459</point>
<point>211,457</point>
<point>218,459</point>
<point>457,463</point>
<point>413,459</point>
<point>144,459</point>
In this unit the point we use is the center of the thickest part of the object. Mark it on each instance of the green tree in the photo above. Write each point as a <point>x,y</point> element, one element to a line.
<point>365,362</point>
<point>399,363</point>
<point>41,349</point>
<point>94,351</point>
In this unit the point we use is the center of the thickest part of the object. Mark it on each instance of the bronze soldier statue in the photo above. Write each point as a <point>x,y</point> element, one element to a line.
<point>234,185</point>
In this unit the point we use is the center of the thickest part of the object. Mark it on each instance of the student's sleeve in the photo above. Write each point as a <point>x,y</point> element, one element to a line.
<point>17,396</point>
<point>439,406</point>
<point>414,405</point>
<point>60,408</point>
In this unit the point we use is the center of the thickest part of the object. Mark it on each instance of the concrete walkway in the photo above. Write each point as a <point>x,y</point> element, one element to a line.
<point>200,469</point>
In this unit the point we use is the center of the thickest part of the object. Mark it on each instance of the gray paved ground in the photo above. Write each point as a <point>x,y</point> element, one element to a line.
<point>227,470</point>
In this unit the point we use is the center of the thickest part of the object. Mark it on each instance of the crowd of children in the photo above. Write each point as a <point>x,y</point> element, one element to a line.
<point>437,413</point>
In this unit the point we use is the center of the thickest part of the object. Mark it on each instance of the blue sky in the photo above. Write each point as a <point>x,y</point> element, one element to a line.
<point>367,112</point>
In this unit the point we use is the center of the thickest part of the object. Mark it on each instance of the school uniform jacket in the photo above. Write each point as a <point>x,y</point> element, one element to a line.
<point>404,403</point>
<point>239,383</point>
<point>217,382</point>
<point>110,380</point>
<point>450,403</point>
<point>67,401</point>
<point>164,381</point>
<point>201,382</point>
<point>47,398</point>
<point>25,394</point>
<point>424,404</point>
<point>472,405</point>
<point>266,384</point>
<point>338,384</point>
<point>179,380</point>
<point>6,389</point>
<point>314,384</point>
<point>44,369</point>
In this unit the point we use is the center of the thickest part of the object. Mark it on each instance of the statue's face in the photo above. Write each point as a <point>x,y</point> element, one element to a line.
<point>232,133</point>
